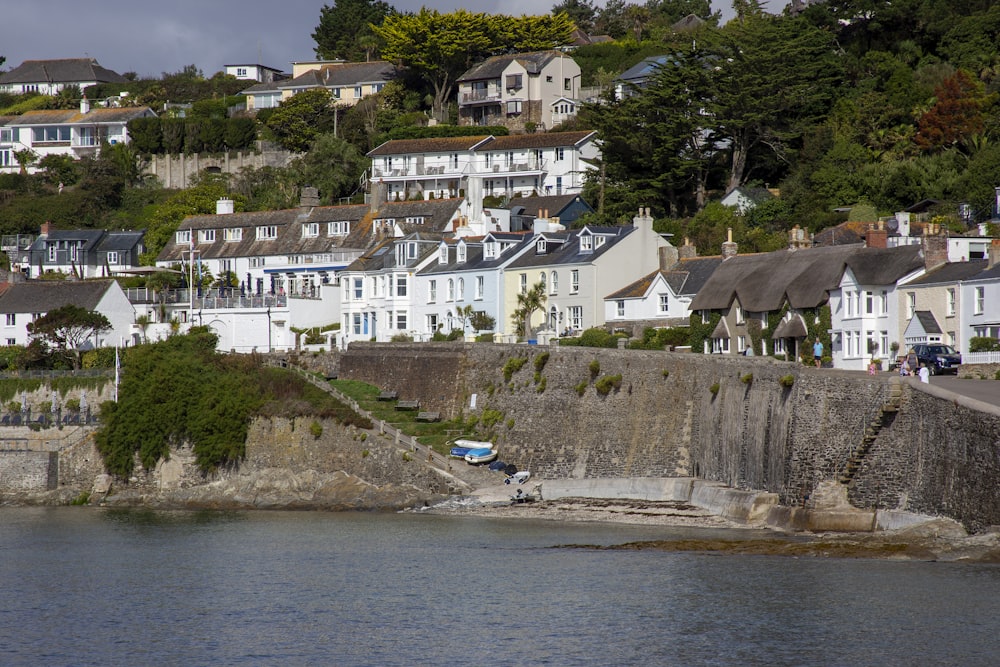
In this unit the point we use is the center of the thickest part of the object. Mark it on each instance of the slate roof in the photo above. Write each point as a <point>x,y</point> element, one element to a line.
<point>42,296</point>
<point>927,321</point>
<point>536,140</point>
<point>69,70</point>
<point>568,252</point>
<point>289,239</point>
<point>645,69</point>
<point>437,213</point>
<point>763,281</point>
<point>122,241</point>
<point>67,116</point>
<point>429,145</point>
<point>494,67</point>
<point>475,260</point>
<point>793,327</point>
<point>90,238</point>
<point>554,204</point>
<point>951,272</point>
<point>685,278</point>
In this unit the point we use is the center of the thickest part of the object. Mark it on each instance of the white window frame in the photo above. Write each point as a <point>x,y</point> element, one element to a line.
<point>951,301</point>
<point>664,303</point>
<point>574,281</point>
<point>480,287</point>
<point>979,303</point>
<point>554,283</point>
<point>432,291</point>
<point>310,230</point>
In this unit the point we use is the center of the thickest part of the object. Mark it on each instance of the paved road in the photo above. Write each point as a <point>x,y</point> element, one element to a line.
<point>987,391</point>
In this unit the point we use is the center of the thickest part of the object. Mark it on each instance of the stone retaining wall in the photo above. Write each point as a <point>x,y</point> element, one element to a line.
<point>664,420</point>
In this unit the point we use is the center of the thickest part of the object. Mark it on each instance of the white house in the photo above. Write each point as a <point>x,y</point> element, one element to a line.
<point>661,298</point>
<point>520,91</point>
<point>348,83</point>
<point>578,268</point>
<point>48,77</point>
<point>76,133</point>
<point>553,163</point>
<point>464,274</point>
<point>255,72</point>
<point>377,295</point>
<point>24,302</point>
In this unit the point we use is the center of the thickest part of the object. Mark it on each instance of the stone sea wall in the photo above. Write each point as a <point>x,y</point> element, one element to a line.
<point>723,419</point>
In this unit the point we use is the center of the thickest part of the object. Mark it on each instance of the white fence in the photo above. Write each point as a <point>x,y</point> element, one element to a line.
<point>981,358</point>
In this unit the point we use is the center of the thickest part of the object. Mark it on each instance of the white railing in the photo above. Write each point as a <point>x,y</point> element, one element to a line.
<point>981,358</point>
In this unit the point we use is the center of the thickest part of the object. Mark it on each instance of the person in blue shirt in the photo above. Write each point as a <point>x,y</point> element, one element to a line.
<point>818,353</point>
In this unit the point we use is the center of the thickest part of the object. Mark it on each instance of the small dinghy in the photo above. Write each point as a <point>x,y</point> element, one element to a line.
<point>480,455</point>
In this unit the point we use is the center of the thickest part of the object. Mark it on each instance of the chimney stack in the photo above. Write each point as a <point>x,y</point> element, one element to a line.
<point>729,248</point>
<point>935,246</point>
<point>224,206</point>
<point>45,228</point>
<point>993,256</point>
<point>84,105</point>
<point>687,251</point>
<point>877,236</point>
<point>668,256</point>
<point>309,197</point>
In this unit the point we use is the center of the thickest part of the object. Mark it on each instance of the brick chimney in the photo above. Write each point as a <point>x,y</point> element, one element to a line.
<point>729,248</point>
<point>993,256</point>
<point>935,246</point>
<point>687,251</point>
<point>45,228</point>
<point>878,236</point>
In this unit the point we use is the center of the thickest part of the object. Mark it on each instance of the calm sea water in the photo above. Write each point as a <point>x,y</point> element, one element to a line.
<point>106,587</point>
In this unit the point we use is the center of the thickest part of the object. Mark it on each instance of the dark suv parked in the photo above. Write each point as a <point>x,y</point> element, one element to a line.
<point>938,358</point>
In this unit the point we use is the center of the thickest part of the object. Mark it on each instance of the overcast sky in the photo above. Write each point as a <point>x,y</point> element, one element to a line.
<point>150,38</point>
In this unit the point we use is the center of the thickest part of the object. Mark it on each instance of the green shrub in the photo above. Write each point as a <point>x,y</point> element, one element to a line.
<point>491,418</point>
<point>786,380</point>
<point>541,386</point>
<point>595,368</point>
<point>581,387</point>
<point>714,389</point>
<point>81,499</point>
<point>540,361</point>
<point>607,383</point>
<point>316,429</point>
<point>510,423</point>
<point>14,406</point>
<point>747,379</point>
<point>983,344</point>
<point>73,405</point>
<point>996,376</point>
<point>407,457</point>
<point>512,366</point>
<point>365,453</point>
<point>484,338</point>
<point>666,373</point>
<point>401,338</point>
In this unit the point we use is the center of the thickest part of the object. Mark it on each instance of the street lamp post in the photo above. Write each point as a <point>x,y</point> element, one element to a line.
<point>269,330</point>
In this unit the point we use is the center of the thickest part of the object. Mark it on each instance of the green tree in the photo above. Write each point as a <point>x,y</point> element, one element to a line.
<point>528,304</point>
<point>67,328</point>
<point>772,76</point>
<point>581,12</point>
<point>333,166</point>
<point>345,27</point>
<point>298,120</point>
<point>441,47</point>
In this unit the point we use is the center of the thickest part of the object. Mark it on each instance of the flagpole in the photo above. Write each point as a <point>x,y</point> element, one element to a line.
<point>118,367</point>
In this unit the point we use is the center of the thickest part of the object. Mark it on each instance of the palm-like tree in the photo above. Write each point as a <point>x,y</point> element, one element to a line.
<point>527,304</point>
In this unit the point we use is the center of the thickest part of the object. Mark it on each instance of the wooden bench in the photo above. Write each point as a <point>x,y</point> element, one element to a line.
<point>388,396</point>
<point>408,405</point>
<point>429,417</point>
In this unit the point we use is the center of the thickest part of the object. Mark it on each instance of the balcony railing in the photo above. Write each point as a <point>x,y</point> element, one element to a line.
<point>420,171</point>
<point>209,298</point>
<point>480,97</point>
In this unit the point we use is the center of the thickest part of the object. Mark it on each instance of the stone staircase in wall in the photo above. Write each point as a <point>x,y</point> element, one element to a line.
<point>884,418</point>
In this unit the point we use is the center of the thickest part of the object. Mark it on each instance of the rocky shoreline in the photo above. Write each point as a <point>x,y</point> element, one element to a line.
<point>935,540</point>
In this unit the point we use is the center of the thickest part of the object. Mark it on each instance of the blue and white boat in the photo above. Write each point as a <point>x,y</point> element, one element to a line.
<point>461,447</point>
<point>480,455</point>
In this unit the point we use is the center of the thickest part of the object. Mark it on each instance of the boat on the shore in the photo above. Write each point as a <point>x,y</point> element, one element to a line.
<point>480,455</point>
<point>462,446</point>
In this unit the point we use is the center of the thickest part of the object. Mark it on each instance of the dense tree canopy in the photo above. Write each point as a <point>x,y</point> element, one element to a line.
<point>67,328</point>
<point>344,31</point>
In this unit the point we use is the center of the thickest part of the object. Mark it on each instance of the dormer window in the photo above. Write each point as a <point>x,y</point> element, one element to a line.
<point>540,247</point>
<point>206,236</point>
<point>340,228</point>
<point>462,250</point>
<point>443,254</point>
<point>183,237</point>
<point>411,250</point>
<point>232,234</point>
<point>490,250</point>
<point>267,232</point>
<point>310,230</point>
<point>599,241</point>
<point>586,243</point>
